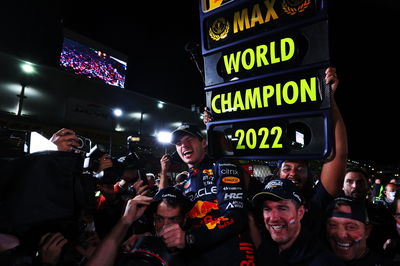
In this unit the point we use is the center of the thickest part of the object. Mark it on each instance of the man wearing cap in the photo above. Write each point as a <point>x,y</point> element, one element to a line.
<point>355,186</point>
<point>288,242</point>
<point>347,231</point>
<point>168,208</point>
<point>218,218</point>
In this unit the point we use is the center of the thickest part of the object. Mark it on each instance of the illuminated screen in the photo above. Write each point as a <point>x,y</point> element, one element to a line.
<point>91,63</point>
<point>39,143</point>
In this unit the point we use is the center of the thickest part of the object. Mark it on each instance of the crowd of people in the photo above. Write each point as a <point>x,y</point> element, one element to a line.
<point>91,63</point>
<point>214,213</point>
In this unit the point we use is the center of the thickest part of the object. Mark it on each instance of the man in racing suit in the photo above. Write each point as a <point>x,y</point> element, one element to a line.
<point>217,235</point>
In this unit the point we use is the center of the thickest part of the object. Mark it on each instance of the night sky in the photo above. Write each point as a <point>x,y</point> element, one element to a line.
<point>155,33</point>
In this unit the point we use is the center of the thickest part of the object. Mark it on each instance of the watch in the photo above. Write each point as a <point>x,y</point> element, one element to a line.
<point>190,239</point>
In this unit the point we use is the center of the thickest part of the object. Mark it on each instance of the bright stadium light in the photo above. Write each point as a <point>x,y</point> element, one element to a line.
<point>117,112</point>
<point>28,68</point>
<point>164,137</point>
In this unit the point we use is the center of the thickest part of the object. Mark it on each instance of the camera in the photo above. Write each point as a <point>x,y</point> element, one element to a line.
<point>148,250</point>
<point>85,144</point>
<point>113,174</point>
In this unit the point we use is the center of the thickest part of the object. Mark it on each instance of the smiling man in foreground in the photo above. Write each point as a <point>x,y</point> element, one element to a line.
<point>348,229</point>
<point>288,242</point>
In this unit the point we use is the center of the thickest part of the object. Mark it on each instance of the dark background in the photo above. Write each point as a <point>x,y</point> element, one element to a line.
<point>154,34</point>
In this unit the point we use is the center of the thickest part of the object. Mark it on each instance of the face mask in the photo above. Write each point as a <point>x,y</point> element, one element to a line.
<point>391,196</point>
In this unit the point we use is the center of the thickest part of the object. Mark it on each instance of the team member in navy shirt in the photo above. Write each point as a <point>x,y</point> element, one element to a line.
<point>288,242</point>
<point>219,218</point>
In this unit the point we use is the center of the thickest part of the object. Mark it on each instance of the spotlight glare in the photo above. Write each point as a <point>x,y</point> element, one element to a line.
<point>164,137</point>
<point>28,68</point>
<point>117,112</point>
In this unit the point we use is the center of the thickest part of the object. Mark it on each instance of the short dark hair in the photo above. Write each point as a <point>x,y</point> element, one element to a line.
<point>171,203</point>
<point>357,169</point>
<point>307,189</point>
<point>174,203</point>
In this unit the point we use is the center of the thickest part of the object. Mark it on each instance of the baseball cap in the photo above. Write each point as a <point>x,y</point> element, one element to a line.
<point>186,129</point>
<point>358,209</point>
<point>172,193</point>
<point>279,189</point>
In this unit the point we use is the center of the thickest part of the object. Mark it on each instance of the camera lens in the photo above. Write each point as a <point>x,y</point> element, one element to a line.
<point>148,250</point>
<point>80,142</point>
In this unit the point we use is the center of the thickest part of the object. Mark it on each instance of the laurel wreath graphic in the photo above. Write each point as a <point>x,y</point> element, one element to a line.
<point>294,10</point>
<point>221,33</point>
